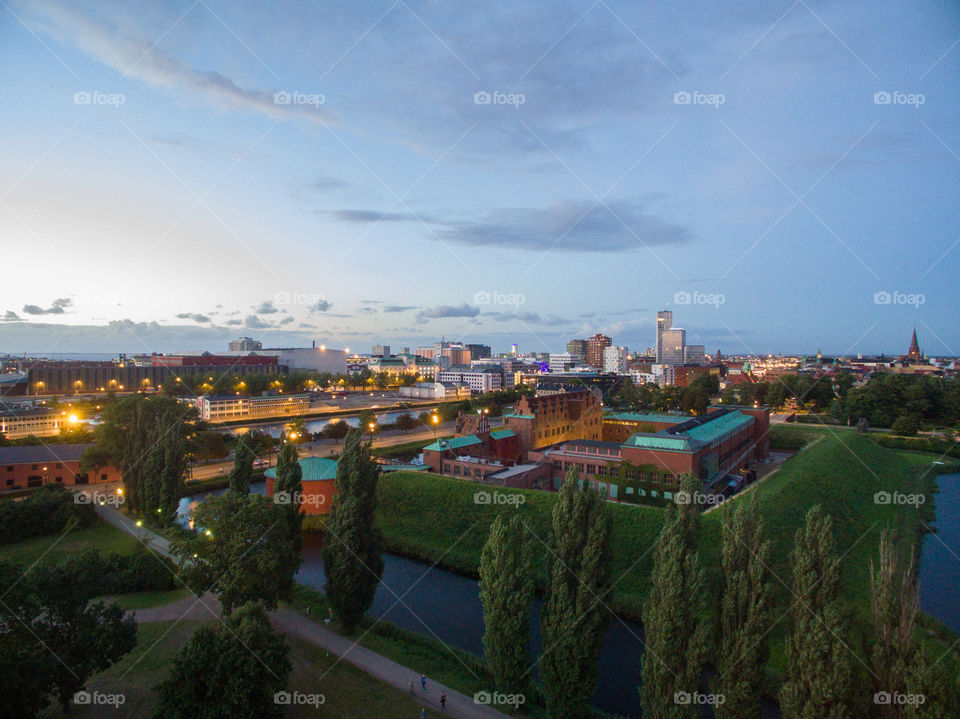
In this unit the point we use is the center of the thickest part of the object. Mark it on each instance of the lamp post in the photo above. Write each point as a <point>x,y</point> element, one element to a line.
<point>436,420</point>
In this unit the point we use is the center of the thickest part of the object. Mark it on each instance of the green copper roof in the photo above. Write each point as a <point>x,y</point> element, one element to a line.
<point>519,416</point>
<point>503,433</point>
<point>694,438</point>
<point>466,440</point>
<point>641,417</point>
<point>314,469</point>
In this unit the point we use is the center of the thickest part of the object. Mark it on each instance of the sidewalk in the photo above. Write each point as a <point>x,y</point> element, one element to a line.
<point>287,620</point>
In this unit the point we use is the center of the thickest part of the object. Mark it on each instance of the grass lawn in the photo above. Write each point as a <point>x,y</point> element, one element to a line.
<point>349,692</point>
<point>145,600</point>
<point>101,536</point>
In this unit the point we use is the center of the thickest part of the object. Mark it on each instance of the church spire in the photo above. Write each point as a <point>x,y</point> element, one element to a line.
<point>914,351</point>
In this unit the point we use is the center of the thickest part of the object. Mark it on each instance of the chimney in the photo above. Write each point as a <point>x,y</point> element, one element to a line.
<point>314,344</point>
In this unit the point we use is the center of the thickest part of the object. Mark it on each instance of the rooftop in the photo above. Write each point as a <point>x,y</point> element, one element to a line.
<point>693,434</point>
<point>42,453</point>
<point>502,433</point>
<point>643,417</point>
<point>467,440</point>
<point>315,469</point>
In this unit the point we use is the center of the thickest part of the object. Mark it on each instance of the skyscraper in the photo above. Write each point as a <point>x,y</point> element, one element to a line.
<point>664,322</point>
<point>672,343</point>
<point>595,347</point>
<point>577,347</point>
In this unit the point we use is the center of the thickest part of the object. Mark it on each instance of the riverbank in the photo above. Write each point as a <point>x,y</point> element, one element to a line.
<point>414,408</point>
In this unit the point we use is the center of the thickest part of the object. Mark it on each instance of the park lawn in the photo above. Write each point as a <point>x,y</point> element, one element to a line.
<point>349,692</point>
<point>146,600</point>
<point>101,536</point>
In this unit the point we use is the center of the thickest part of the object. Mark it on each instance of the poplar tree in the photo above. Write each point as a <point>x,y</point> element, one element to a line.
<point>574,615</point>
<point>744,612</point>
<point>288,490</point>
<point>676,637</point>
<point>352,544</point>
<point>817,679</point>
<point>506,592</point>
<point>242,471</point>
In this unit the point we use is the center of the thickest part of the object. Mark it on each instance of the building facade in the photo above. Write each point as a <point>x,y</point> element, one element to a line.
<point>17,423</point>
<point>664,322</point>
<point>222,408</point>
<point>37,465</point>
<point>615,360</point>
<point>547,419</point>
<point>595,348</point>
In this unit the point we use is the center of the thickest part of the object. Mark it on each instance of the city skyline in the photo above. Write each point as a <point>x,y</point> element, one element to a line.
<point>784,178</point>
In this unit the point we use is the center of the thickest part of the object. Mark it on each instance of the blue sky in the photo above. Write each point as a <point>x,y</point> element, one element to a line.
<point>156,193</point>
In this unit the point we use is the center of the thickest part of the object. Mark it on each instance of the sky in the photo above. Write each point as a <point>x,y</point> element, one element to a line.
<point>783,176</point>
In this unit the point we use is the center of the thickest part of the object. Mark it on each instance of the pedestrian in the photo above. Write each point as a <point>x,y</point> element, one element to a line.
<point>410,687</point>
<point>423,682</point>
<point>423,713</point>
<point>443,699</point>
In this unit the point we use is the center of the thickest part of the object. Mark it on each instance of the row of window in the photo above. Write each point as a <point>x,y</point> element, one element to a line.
<point>466,471</point>
<point>58,465</point>
<point>602,470</point>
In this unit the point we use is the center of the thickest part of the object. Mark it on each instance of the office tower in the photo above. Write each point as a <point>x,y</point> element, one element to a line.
<point>578,348</point>
<point>615,360</point>
<point>664,322</point>
<point>381,351</point>
<point>694,354</point>
<point>672,343</point>
<point>245,344</point>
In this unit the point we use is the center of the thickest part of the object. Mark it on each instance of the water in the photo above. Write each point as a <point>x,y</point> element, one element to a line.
<point>315,425</point>
<point>939,579</point>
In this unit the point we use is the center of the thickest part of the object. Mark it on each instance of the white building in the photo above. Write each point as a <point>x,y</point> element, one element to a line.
<point>317,359</point>
<point>436,390</point>
<point>479,380</point>
<point>615,360</point>
<point>220,408</point>
<point>39,421</point>
<point>563,361</point>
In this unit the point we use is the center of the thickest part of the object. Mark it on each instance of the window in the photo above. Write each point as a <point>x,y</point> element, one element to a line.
<point>59,479</point>
<point>9,482</point>
<point>33,466</point>
<point>59,465</point>
<point>591,469</point>
<point>9,467</point>
<point>103,478</point>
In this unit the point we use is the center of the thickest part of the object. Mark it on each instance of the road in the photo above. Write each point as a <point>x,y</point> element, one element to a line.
<point>324,447</point>
<point>289,621</point>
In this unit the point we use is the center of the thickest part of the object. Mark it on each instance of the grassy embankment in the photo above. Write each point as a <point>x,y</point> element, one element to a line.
<point>435,519</point>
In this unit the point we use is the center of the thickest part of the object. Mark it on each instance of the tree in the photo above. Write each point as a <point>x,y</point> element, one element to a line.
<point>817,676</point>
<point>676,638</point>
<point>288,491</point>
<point>242,471</point>
<point>506,593</point>
<point>744,612</point>
<point>242,552</point>
<point>905,425</point>
<point>574,615</point>
<point>56,634</point>
<point>230,673</point>
<point>352,544</point>
<point>406,422</point>
<point>336,429</point>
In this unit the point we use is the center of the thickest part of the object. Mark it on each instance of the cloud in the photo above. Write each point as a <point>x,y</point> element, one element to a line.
<point>371,302</point>
<point>438,311</point>
<point>193,316</point>
<point>571,226</point>
<point>529,318</point>
<point>57,307</point>
<point>265,308</point>
<point>398,308</point>
<point>285,321</point>
<point>255,323</point>
<point>123,49</point>
<point>10,316</point>
<point>320,306</point>
<point>367,311</point>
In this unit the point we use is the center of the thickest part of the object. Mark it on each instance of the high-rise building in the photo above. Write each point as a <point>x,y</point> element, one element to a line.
<point>381,351</point>
<point>578,348</point>
<point>478,351</point>
<point>595,347</point>
<point>615,360</point>
<point>245,344</point>
<point>672,342</point>
<point>513,349</point>
<point>664,322</point>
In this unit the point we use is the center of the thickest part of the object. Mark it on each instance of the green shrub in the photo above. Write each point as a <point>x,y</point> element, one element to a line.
<point>49,510</point>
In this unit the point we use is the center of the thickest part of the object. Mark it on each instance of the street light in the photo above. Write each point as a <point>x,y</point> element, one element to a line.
<point>436,420</point>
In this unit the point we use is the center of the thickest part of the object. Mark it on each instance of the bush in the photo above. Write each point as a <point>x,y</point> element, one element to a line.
<point>49,510</point>
<point>905,425</point>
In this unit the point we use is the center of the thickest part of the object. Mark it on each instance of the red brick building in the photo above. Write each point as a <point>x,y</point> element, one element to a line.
<point>37,465</point>
<point>547,419</point>
<point>595,347</point>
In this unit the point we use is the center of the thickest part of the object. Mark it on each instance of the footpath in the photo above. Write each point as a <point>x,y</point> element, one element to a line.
<point>289,621</point>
